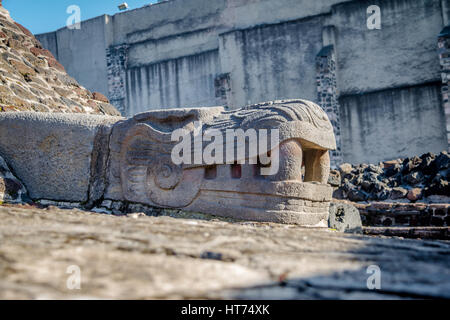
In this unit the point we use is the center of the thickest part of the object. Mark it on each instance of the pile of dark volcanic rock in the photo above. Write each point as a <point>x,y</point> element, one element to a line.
<point>412,179</point>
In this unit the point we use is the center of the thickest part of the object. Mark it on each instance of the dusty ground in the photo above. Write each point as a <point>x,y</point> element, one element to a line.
<point>145,257</point>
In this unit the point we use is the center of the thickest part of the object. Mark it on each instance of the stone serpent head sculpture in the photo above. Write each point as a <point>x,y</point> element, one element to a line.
<point>298,132</point>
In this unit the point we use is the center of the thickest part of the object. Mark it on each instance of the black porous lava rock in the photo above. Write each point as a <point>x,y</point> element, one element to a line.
<point>393,180</point>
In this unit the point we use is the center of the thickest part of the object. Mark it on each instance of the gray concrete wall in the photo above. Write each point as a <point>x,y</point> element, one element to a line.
<point>272,62</point>
<point>378,121</point>
<point>49,41</point>
<point>181,16</point>
<point>82,52</point>
<point>402,53</point>
<point>392,124</point>
<point>187,81</point>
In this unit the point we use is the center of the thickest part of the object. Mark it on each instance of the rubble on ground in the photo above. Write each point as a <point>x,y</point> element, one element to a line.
<point>420,178</point>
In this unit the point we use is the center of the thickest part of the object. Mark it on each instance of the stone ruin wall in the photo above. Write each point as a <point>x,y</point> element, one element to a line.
<point>64,156</point>
<point>380,88</point>
<point>31,79</point>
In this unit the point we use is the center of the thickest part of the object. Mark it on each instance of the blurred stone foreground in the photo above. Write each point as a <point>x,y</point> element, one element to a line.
<point>142,257</point>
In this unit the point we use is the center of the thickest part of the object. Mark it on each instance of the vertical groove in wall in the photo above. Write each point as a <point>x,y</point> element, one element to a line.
<point>184,82</point>
<point>327,96</point>
<point>116,65</point>
<point>56,54</point>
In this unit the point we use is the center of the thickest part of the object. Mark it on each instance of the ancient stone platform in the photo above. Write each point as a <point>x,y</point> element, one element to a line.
<point>143,257</point>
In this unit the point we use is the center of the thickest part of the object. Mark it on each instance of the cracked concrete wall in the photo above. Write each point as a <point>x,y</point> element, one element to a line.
<point>186,81</point>
<point>392,124</point>
<point>272,62</point>
<point>402,53</point>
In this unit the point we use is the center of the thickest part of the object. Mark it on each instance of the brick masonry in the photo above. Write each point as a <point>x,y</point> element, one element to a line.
<point>424,221</point>
<point>389,214</point>
<point>433,233</point>
<point>406,220</point>
<point>116,59</point>
<point>444,58</point>
<point>328,96</point>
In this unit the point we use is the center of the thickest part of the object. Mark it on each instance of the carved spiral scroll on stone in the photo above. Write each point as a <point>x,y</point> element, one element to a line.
<point>148,173</point>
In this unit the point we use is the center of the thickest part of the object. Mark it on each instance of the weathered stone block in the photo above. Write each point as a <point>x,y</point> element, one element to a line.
<point>52,154</point>
<point>345,217</point>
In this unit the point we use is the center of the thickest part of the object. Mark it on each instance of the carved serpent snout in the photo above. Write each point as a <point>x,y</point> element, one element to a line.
<point>295,192</point>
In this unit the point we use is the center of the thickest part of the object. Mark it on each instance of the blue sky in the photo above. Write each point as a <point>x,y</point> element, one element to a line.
<point>41,16</point>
